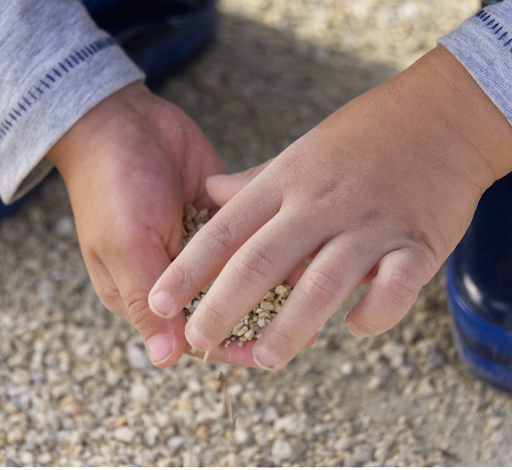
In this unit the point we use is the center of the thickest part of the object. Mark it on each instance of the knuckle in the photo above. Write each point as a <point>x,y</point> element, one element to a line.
<point>284,348</point>
<point>220,233</point>
<point>213,316</point>
<point>322,288</point>
<point>109,296</point>
<point>252,264</point>
<point>137,305</point>
<point>181,281</point>
<point>399,286</point>
<point>284,340</point>
<point>370,328</point>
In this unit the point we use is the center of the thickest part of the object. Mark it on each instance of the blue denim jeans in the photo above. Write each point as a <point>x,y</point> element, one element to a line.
<point>94,5</point>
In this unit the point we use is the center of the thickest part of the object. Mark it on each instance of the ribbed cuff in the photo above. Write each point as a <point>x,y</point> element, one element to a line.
<point>483,45</point>
<point>59,97</point>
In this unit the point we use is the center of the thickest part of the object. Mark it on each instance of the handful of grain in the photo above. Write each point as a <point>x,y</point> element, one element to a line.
<point>255,322</point>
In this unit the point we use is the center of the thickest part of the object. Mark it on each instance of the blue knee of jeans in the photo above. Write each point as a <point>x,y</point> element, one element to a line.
<point>95,5</point>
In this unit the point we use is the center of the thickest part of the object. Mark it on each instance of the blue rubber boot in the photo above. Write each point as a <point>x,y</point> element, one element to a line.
<point>479,284</point>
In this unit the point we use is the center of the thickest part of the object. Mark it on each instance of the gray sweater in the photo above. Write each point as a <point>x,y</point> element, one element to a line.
<point>57,65</point>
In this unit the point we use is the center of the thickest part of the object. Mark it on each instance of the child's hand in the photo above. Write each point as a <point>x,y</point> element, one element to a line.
<point>130,166</point>
<point>381,191</point>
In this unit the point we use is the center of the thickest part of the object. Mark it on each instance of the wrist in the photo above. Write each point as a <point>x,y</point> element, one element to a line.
<point>81,142</point>
<point>462,106</point>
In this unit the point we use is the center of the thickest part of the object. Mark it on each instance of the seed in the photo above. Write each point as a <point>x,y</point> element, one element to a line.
<point>255,322</point>
<point>269,296</point>
<point>243,330</point>
<point>190,211</point>
<point>281,290</point>
<point>190,226</point>
<point>201,217</point>
<point>237,328</point>
<point>267,305</point>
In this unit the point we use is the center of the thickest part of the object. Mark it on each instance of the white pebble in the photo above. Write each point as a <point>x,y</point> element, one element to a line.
<point>112,377</point>
<point>241,436</point>
<point>295,425</point>
<point>136,354</point>
<point>271,414</point>
<point>162,419</point>
<point>409,11</point>
<point>124,434</point>
<point>362,454</point>
<point>347,368</point>
<point>175,442</point>
<point>345,443</point>
<point>394,352</point>
<point>282,451</point>
<point>235,389</point>
<point>140,393</point>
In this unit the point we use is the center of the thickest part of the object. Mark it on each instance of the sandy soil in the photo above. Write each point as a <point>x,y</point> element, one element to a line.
<point>75,385</point>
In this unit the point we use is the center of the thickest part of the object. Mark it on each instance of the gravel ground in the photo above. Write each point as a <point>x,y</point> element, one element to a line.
<point>76,387</point>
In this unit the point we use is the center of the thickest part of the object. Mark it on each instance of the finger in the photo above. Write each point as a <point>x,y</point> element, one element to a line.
<point>231,354</point>
<point>258,266</point>
<point>296,274</point>
<point>104,285</point>
<point>234,354</point>
<point>211,248</point>
<point>311,341</point>
<point>135,266</point>
<point>221,188</point>
<point>331,277</point>
<point>400,276</point>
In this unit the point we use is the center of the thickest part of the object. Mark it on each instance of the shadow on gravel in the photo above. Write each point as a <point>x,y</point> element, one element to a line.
<point>257,89</point>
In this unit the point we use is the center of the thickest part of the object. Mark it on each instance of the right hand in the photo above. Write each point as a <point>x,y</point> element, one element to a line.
<point>381,191</point>
<point>130,166</point>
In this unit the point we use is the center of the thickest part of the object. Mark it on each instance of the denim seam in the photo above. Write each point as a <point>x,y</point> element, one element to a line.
<point>49,80</point>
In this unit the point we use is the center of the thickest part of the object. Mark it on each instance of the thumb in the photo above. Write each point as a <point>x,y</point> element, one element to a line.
<point>135,267</point>
<point>221,188</point>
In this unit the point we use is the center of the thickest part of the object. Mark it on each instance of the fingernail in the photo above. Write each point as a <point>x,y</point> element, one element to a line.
<point>159,348</point>
<point>355,331</point>
<point>195,339</point>
<point>264,359</point>
<point>161,303</point>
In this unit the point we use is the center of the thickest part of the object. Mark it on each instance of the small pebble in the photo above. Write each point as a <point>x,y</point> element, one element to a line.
<point>282,451</point>
<point>124,434</point>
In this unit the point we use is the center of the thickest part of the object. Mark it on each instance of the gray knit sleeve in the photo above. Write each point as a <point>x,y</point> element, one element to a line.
<point>483,44</point>
<point>56,65</point>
